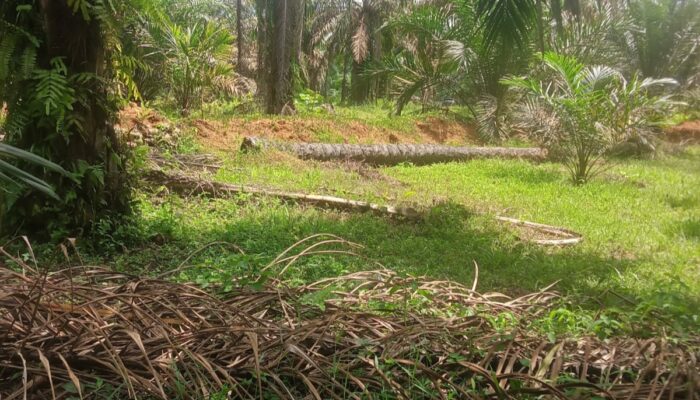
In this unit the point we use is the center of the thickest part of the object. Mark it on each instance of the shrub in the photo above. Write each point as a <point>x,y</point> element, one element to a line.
<point>581,113</point>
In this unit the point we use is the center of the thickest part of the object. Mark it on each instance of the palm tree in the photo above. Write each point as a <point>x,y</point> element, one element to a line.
<point>583,112</point>
<point>53,75</point>
<point>431,54</point>
<point>350,28</point>
<point>192,58</point>
<point>279,42</point>
<point>666,41</point>
<point>506,22</point>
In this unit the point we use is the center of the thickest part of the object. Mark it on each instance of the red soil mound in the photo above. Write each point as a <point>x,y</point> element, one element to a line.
<point>688,131</point>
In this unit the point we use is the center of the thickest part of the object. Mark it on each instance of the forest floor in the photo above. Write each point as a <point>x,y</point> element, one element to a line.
<point>640,219</point>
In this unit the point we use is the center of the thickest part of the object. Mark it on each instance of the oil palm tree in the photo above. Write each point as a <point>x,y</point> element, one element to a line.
<point>666,40</point>
<point>55,70</point>
<point>194,58</point>
<point>430,57</point>
<point>350,28</point>
<point>279,42</point>
<point>583,112</point>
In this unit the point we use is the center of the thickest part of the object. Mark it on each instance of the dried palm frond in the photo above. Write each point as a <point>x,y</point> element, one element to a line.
<point>360,42</point>
<point>74,332</point>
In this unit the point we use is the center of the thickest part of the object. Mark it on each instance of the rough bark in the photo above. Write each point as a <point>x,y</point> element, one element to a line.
<point>540,26</point>
<point>555,6</point>
<point>573,7</point>
<point>279,29</point>
<point>359,84</point>
<point>239,38</point>
<point>263,58</point>
<point>392,154</point>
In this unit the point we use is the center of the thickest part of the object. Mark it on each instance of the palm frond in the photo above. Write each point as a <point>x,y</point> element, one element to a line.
<point>506,21</point>
<point>360,42</point>
<point>13,175</point>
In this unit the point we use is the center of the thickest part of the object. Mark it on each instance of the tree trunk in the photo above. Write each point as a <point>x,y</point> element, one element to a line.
<point>243,70</point>
<point>359,84</point>
<point>91,149</point>
<point>280,30</point>
<point>344,85</point>
<point>540,26</point>
<point>557,15</point>
<point>385,154</point>
<point>574,7</point>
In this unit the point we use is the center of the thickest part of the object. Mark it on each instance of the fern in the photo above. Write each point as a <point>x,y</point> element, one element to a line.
<point>53,91</point>
<point>27,63</point>
<point>80,5</point>
<point>17,119</point>
<point>8,44</point>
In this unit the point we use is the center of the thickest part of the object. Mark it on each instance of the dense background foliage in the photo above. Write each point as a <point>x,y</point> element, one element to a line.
<point>66,66</point>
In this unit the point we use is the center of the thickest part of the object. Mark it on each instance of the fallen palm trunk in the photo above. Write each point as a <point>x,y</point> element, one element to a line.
<point>392,154</point>
<point>83,332</point>
<point>188,185</point>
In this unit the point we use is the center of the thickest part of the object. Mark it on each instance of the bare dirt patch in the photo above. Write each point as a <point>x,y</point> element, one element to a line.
<point>229,134</point>
<point>133,116</point>
<point>442,131</point>
<point>688,131</point>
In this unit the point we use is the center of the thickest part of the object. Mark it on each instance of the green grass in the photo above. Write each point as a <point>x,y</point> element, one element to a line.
<point>641,222</point>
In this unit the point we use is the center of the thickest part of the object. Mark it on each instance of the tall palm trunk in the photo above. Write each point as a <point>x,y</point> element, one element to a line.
<point>242,69</point>
<point>360,84</point>
<point>281,43</point>
<point>344,84</point>
<point>555,6</point>
<point>263,58</point>
<point>573,7</point>
<point>540,27</point>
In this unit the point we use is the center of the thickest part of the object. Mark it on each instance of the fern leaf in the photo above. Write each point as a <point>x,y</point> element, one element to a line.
<point>8,44</point>
<point>28,63</point>
<point>17,120</point>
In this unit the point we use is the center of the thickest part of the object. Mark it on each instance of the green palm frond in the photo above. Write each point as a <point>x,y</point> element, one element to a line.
<point>507,21</point>
<point>11,174</point>
<point>431,55</point>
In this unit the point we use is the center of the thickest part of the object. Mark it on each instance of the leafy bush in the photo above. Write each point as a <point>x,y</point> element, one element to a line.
<point>581,113</point>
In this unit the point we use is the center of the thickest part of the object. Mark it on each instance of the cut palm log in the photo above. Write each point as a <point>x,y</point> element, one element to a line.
<point>392,154</point>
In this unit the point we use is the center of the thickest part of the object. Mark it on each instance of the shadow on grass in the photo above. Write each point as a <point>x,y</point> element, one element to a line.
<point>684,202</point>
<point>690,229</point>
<point>444,244</point>
<point>532,176</point>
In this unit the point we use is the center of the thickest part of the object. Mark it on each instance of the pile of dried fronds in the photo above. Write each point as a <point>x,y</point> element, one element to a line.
<point>82,331</point>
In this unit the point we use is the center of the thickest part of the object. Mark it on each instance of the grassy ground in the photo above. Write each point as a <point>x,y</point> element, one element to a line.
<point>641,222</point>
